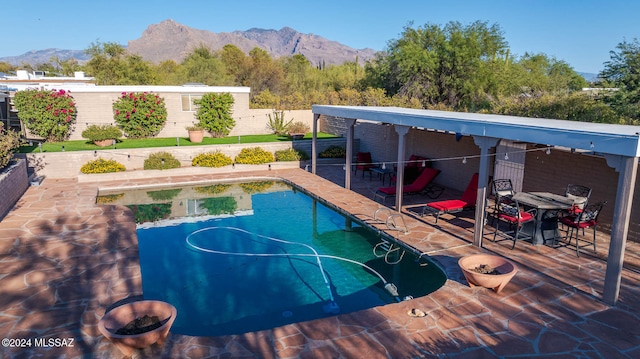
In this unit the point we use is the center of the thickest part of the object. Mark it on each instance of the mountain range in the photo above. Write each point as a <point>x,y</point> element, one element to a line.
<point>170,40</point>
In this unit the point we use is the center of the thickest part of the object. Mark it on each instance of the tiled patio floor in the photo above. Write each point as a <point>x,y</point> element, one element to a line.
<point>64,260</point>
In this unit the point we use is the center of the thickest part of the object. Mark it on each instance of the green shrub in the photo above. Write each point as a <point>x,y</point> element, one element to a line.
<point>102,132</point>
<point>333,152</point>
<point>161,161</point>
<point>101,165</point>
<point>254,156</point>
<point>140,114</point>
<point>211,159</point>
<point>9,142</point>
<point>291,154</point>
<point>214,113</point>
<point>164,195</point>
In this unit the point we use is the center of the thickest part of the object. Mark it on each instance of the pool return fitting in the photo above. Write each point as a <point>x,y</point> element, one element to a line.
<point>329,307</point>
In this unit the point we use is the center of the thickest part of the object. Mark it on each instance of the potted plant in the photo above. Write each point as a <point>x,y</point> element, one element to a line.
<point>102,135</point>
<point>138,324</point>
<point>196,133</point>
<point>487,270</point>
<point>298,129</point>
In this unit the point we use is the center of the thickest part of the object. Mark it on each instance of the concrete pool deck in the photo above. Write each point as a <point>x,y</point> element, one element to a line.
<point>65,260</point>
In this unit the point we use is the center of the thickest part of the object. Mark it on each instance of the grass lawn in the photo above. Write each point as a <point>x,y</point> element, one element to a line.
<point>85,145</point>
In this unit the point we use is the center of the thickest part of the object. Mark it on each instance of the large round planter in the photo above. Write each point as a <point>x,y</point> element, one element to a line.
<point>103,143</point>
<point>196,136</point>
<point>497,282</point>
<point>118,317</point>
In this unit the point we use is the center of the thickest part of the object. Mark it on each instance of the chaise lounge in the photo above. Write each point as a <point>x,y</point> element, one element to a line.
<point>466,202</point>
<point>422,184</point>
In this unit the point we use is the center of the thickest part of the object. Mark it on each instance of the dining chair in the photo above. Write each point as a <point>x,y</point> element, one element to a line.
<point>579,194</point>
<point>587,218</point>
<point>364,163</point>
<point>516,217</point>
<point>502,191</point>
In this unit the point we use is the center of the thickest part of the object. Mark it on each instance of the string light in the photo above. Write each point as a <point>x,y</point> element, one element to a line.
<point>384,166</point>
<point>464,160</point>
<point>548,151</point>
<point>506,156</point>
<point>592,145</point>
<point>424,163</point>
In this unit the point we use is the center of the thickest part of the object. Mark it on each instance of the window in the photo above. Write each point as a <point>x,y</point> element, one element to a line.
<point>187,102</point>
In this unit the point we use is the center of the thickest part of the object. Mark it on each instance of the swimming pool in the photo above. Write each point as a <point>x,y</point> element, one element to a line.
<point>241,257</point>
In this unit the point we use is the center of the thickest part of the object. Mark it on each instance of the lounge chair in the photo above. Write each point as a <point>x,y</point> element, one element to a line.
<point>422,184</point>
<point>364,163</point>
<point>466,202</point>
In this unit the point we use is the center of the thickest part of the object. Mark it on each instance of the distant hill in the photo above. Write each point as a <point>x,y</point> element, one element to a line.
<point>590,77</point>
<point>35,57</point>
<point>170,40</point>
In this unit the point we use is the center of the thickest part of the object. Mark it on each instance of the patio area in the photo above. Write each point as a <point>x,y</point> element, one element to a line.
<point>64,260</point>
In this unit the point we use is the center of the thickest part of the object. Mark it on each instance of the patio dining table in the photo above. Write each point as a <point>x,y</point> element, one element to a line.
<point>547,205</point>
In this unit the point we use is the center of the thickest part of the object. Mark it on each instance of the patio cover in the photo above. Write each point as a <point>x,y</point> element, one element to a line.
<point>619,144</point>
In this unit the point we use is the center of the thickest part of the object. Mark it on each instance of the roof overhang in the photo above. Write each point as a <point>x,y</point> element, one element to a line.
<point>602,138</point>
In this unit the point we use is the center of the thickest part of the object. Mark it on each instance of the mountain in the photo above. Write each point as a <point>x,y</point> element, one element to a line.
<point>35,57</point>
<point>590,77</point>
<point>170,40</point>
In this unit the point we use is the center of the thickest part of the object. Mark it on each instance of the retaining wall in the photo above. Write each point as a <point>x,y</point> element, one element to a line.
<point>14,182</point>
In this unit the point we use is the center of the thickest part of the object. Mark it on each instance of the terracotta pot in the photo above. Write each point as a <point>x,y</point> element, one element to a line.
<point>497,282</point>
<point>118,317</point>
<point>196,136</point>
<point>103,143</point>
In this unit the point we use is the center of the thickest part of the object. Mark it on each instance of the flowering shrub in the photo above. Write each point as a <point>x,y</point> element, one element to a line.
<point>101,165</point>
<point>291,154</point>
<point>9,141</point>
<point>211,159</point>
<point>213,189</point>
<point>140,114</point>
<point>254,156</point>
<point>46,113</point>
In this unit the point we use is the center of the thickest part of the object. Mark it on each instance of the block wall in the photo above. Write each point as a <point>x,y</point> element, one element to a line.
<point>13,183</point>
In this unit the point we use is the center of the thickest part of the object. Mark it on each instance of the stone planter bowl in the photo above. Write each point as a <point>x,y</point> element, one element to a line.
<point>118,317</point>
<point>497,282</point>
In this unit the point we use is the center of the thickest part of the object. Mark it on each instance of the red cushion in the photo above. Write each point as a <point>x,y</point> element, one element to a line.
<point>449,205</point>
<point>387,190</point>
<point>570,221</point>
<point>524,217</point>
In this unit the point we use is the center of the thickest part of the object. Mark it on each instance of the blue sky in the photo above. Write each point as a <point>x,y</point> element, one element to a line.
<point>580,32</point>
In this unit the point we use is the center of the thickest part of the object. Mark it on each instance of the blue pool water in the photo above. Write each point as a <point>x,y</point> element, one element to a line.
<point>272,258</point>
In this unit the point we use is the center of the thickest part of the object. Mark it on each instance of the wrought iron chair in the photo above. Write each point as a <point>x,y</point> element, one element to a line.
<point>587,218</point>
<point>502,191</point>
<point>516,217</point>
<point>579,194</point>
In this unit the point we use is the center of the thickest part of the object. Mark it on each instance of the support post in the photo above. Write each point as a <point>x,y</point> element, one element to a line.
<point>485,144</point>
<point>349,122</point>
<point>627,168</point>
<point>314,144</point>
<point>402,131</point>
